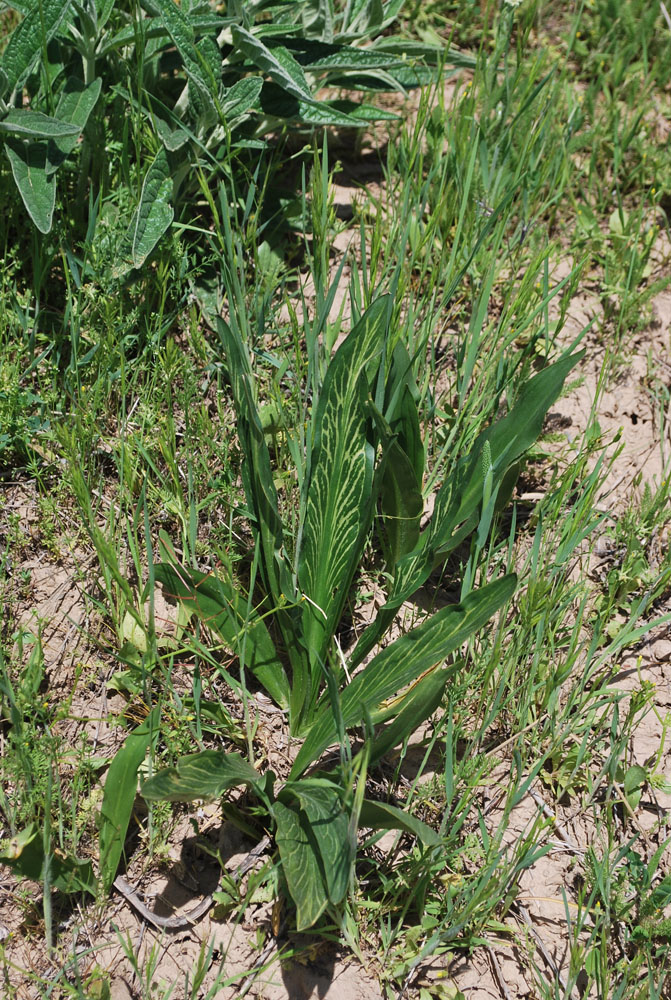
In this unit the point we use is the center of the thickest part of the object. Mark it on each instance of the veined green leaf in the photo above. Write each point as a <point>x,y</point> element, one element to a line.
<point>339,493</point>
<point>457,507</point>
<point>315,56</point>
<point>204,775</point>
<point>152,216</point>
<point>321,802</point>
<point>27,40</point>
<point>402,662</point>
<point>224,610</point>
<point>25,856</point>
<point>75,105</point>
<point>242,96</point>
<point>37,187</point>
<point>257,473</point>
<point>301,864</point>
<point>197,64</point>
<point>413,708</point>
<point>381,816</point>
<point>401,503</point>
<point>277,62</point>
<point>34,125</point>
<point>119,795</point>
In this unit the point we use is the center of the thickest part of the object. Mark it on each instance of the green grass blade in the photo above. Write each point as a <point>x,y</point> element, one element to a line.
<point>403,661</point>
<point>382,816</point>
<point>119,796</point>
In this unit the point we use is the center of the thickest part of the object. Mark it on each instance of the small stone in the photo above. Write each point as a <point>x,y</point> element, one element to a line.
<point>661,650</point>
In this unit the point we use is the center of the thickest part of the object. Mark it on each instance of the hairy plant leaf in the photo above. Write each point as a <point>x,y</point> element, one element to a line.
<point>321,802</point>
<point>224,610</point>
<point>34,125</point>
<point>315,56</point>
<point>29,38</point>
<point>204,775</point>
<point>241,97</point>
<point>301,864</point>
<point>75,105</point>
<point>197,65</point>
<point>277,62</point>
<point>402,662</point>
<point>25,856</point>
<point>152,216</point>
<point>119,796</point>
<point>339,492</point>
<point>37,185</point>
<point>381,816</point>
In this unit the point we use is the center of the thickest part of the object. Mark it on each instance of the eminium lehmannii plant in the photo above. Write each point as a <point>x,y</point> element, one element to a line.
<point>363,454</point>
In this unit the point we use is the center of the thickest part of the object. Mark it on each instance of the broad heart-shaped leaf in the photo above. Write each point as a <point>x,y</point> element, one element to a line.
<point>339,505</point>
<point>30,38</point>
<point>119,795</point>
<point>152,216</point>
<point>459,499</point>
<point>321,802</point>
<point>301,864</point>
<point>277,62</point>
<point>401,663</point>
<point>224,610</point>
<point>25,856</point>
<point>381,816</point>
<point>37,187</point>
<point>205,775</point>
<point>22,122</point>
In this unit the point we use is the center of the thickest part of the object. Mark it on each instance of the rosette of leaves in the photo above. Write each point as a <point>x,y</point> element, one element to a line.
<point>363,455</point>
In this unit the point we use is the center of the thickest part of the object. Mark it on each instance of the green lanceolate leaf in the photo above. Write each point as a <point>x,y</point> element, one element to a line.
<point>401,504</point>
<point>321,802</point>
<point>34,179</point>
<point>301,864</point>
<point>205,775</point>
<point>339,501</point>
<point>29,39</point>
<point>22,122</point>
<point>409,712</point>
<point>119,796</point>
<point>75,105</point>
<point>257,475</point>
<point>277,62</point>
<point>152,216</point>
<point>241,97</point>
<point>224,610</point>
<point>402,662</point>
<point>25,856</point>
<point>197,64</point>
<point>381,816</point>
<point>457,507</point>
